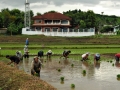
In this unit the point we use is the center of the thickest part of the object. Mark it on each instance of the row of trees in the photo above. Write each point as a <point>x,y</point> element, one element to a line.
<point>13,20</point>
<point>89,20</point>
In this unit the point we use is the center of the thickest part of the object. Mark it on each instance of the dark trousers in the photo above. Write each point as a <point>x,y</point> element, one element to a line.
<point>116,58</point>
<point>26,56</point>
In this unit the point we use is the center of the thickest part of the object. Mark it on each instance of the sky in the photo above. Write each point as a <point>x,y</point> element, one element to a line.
<point>109,7</point>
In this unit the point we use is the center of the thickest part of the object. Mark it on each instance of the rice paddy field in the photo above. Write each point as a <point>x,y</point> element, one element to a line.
<point>107,46</point>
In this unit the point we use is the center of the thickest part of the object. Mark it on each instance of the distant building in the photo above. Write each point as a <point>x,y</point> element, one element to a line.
<point>52,21</point>
<point>55,24</point>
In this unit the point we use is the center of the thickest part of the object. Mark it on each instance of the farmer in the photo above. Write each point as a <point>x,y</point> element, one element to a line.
<point>26,52</point>
<point>27,42</point>
<point>97,57</point>
<point>19,54</point>
<point>85,56</point>
<point>117,56</point>
<point>49,54</point>
<point>40,53</point>
<point>14,59</point>
<point>66,53</point>
<point>36,66</point>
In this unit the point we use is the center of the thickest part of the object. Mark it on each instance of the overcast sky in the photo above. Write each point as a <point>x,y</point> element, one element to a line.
<point>109,7</point>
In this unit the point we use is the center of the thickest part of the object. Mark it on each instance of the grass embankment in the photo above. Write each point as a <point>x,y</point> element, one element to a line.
<point>13,79</point>
<point>78,45</point>
<point>49,40</point>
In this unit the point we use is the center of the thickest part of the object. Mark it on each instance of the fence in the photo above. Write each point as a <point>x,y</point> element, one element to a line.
<point>69,33</point>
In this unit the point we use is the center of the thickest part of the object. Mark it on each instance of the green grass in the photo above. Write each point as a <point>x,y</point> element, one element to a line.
<point>60,51</point>
<point>57,46</point>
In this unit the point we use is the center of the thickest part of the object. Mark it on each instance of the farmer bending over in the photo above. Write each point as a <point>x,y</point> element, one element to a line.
<point>66,53</point>
<point>85,56</point>
<point>14,59</point>
<point>36,66</point>
<point>40,53</point>
<point>49,54</point>
<point>97,57</point>
<point>117,56</point>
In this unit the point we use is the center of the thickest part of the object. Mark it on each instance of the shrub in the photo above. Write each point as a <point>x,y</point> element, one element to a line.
<point>59,70</point>
<point>118,76</point>
<point>72,65</point>
<point>113,64</point>
<point>62,79</point>
<point>59,61</point>
<point>84,72</point>
<point>72,85</point>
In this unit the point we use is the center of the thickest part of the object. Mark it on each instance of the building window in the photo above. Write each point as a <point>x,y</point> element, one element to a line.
<point>55,29</point>
<point>47,29</point>
<point>38,28</point>
<point>56,21</point>
<point>37,21</point>
<point>64,22</point>
<point>48,21</point>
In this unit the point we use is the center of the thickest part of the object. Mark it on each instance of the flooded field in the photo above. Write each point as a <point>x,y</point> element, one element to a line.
<point>99,76</point>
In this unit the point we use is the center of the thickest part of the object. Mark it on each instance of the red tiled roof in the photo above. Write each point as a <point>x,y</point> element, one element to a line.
<point>52,16</point>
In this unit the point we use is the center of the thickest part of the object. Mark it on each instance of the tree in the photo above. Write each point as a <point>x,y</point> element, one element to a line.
<point>90,19</point>
<point>38,14</point>
<point>12,29</point>
<point>82,24</point>
<point>106,29</point>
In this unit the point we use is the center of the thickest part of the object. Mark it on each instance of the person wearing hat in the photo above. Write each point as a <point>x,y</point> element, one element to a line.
<point>49,53</point>
<point>97,56</point>
<point>36,66</point>
<point>14,59</point>
<point>19,54</point>
<point>85,56</point>
<point>66,53</point>
<point>26,52</point>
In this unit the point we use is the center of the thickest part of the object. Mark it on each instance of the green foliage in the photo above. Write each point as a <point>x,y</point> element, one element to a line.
<point>72,65</point>
<point>72,85</point>
<point>118,76</point>
<point>118,32</point>
<point>59,61</point>
<point>106,29</point>
<point>12,29</point>
<point>113,64</point>
<point>59,70</point>
<point>82,24</point>
<point>13,20</point>
<point>62,78</point>
<point>111,61</point>
<point>84,72</point>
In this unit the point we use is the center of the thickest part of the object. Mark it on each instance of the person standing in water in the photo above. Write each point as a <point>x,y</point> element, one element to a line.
<point>36,66</point>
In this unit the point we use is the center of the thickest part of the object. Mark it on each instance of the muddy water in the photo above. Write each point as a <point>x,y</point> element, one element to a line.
<point>99,76</point>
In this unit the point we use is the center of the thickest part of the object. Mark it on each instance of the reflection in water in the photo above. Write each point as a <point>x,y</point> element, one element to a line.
<point>99,76</point>
<point>97,64</point>
<point>117,64</point>
<point>26,65</point>
<point>66,61</point>
<point>85,65</point>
